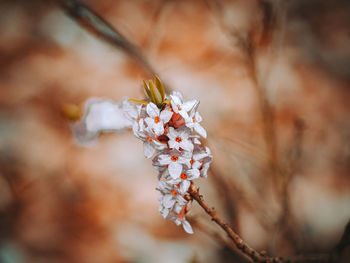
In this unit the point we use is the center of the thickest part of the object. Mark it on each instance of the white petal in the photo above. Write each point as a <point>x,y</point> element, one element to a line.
<point>205,169</point>
<point>174,106</point>
<point>149,121</point>
<point>177,208</point>
<point>183,114</point>
<point>175,170</point>
<point>131,111</point>
<point>166,115</point>
<point>172,133</point>
<point>184,133</point>
<point>177,94</point>
<point>176,98</point>
<point>187,227</point>
<point>180,200</point>
<point>198,117</point>
<point>196,165</point>
<point>172,144</point>
<point>164,159</point>
<point>168,201</point>
<point>184,186</point>
<point>158,128</point>
<point>104,115</point>
<point>188,105</point>
<point>200,130</point>
<point>177,221</point>
<point>186,145</point>
<point>152,110</point>
<point>148,150</point>
<point>196,141</point>
<point>193,174</point>
<point>164,212</point>
<point>184,160</point>
<point>158,145</point>
<point>135,129</point>
<point>207,150</point>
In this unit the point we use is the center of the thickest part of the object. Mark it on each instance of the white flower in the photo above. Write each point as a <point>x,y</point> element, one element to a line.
<point>181,107</point>
<point>157,119</point>
<point>201,160</point>
<point>193,122</point>
<point>179,139</point>
<point>184,181</point>
<point>150,142</point>
<point>103,115</point>
<point>174,160</point>
<point>169,196</point>
<point>130,110</point>
<point>180,219</point>
<point>195,139</point>
<point>139,124</point>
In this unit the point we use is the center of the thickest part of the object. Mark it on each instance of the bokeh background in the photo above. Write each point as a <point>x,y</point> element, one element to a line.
<point>273,80</point>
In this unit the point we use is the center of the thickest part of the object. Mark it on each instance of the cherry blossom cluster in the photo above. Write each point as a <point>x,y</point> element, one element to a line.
<point>179,158</point>
<point>169,128</point>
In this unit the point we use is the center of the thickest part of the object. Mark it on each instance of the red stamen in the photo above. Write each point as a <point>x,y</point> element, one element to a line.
<point>178,139</point>
<point>156,119</point>
<point>183,176</point>
<point>174,192</point>
<point>174,158</point>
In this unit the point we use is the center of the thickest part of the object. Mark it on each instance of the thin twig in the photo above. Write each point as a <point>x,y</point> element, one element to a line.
<point>244,248</point>
<point>97,25</point>
<point>219,238</point>
<point>237,240</point>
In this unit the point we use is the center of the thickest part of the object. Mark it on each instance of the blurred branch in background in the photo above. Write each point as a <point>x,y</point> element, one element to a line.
<point>243,248</point>
<point>267,162</point>
<point>100,27</point>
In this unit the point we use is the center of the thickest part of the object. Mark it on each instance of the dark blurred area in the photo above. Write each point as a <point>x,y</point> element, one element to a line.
<point>273,78</point>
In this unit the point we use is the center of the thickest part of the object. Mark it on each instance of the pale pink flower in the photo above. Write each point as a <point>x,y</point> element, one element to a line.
<point>174,160</point>
<point>201,160</point>
<point>184,181</point>
<point>193,122</point>
<point>181,107</point>
<point>180,219</point>
<point>169,196</point>
<point>150,142</point>
<point>179,139</point>
<point>157,118</point>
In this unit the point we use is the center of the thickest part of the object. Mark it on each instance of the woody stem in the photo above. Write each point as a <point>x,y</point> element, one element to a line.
<point>237,240</point>
<point>248,251</point>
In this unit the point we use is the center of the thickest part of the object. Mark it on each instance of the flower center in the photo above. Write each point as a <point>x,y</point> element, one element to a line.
<point>183,176</point>
<point>178,107</point>
<point>149,139</point>
<point>174,158</point>
<point>191,162</point>
<point>156,119</point>
<point>194,120</point>
<point>174,192</point>
<point>178,139</point>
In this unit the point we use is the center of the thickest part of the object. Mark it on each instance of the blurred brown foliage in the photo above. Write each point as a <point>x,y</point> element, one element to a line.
<point>273,80</point>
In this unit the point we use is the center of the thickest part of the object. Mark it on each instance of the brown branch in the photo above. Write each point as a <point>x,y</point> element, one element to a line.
<point>100,27</point>
<point>244,248</point>
<point>219,238</point>
<point>237,240</point>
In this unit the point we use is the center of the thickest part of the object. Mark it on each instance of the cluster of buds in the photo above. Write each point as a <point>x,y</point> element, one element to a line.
<point>168,127</point>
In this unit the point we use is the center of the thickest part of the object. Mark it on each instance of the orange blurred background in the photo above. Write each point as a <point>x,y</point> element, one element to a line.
<point>273,81</point>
